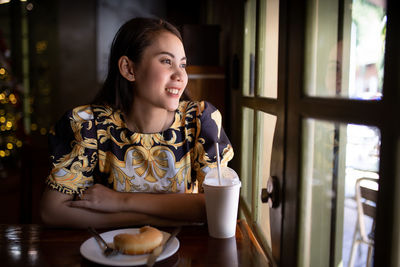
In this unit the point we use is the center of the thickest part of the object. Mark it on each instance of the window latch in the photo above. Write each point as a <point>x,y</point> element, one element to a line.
<point>270,194</point>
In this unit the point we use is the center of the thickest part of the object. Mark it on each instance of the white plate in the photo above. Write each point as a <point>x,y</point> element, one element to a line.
<point>91,250</point>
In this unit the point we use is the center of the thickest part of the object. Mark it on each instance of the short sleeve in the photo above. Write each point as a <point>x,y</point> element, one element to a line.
<point>73,150</point>
<point>210,124</point>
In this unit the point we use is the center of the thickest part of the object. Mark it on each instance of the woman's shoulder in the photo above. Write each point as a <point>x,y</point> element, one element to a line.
<point>86,114</point>
<point>90,112</point>
<point>196,107</point>
<point>77,114</point>
<point>81,113</point>
<point>75,120</point>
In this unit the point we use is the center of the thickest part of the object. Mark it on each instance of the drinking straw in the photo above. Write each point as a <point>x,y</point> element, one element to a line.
<point>216,116</point>
<point>218,163</point>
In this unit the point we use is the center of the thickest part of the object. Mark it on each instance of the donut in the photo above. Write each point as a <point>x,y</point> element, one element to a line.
<point>141,243</point>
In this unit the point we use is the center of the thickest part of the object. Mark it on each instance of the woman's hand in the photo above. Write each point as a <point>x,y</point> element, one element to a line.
<point>100,198</point>
<point>178,207</point>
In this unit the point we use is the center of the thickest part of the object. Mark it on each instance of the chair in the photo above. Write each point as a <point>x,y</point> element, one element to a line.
<point>366,198</point>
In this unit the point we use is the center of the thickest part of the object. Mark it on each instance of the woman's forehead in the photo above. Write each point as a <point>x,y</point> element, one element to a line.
<point>166,42</point>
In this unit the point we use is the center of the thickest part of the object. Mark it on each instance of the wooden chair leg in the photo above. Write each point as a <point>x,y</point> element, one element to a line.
<point>353,253</point>
<point>354,246</point>
<point>369,257</point>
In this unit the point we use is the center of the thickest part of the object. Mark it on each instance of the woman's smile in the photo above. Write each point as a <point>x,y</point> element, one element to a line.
<point>173,91</point>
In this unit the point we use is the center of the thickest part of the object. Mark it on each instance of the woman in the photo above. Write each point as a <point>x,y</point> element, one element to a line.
<point>137,155</point>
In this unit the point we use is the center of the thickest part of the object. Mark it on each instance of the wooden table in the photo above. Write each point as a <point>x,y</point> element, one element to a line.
<point>36,245</point>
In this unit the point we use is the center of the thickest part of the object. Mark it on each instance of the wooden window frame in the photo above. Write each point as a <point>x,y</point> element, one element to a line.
<point>292,106</point>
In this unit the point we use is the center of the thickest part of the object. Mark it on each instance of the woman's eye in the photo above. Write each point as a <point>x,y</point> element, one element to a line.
<point>183,65</point>
<point>166,61</point>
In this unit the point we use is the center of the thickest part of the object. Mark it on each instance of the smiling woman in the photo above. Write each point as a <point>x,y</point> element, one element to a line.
<point>122,159</point>
<point>159,80</point>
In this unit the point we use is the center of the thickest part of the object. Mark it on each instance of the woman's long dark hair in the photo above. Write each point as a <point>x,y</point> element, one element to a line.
<point>131,40</point>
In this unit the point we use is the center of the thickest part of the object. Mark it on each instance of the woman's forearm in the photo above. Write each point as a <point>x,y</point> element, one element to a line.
<point>55,211</point>
<point>83,218</point>
<point>173,206</point>
<point>189,207</point>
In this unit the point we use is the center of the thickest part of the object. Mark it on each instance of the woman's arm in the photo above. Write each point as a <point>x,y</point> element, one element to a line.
<point>56,210</point>
<point>171,206</point>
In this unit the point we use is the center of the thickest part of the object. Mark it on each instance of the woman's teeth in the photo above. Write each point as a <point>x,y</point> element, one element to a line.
<point>173,91</point>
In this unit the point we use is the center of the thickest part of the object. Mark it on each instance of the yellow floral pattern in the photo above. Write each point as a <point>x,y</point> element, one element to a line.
<point>91,144</point>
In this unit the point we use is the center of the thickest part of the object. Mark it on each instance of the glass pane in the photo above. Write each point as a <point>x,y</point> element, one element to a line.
<point>249,47</point>
<point>268,52</point>
<point>267,124</point>
<point>340,165</point>
<point>246,174</point>
<point>344,57</point>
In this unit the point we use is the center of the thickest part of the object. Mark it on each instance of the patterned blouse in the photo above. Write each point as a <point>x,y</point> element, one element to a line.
<point>91,144</point>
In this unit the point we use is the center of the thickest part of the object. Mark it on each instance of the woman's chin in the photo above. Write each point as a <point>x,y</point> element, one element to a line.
<point>172,109</point>
<point>173,106</point>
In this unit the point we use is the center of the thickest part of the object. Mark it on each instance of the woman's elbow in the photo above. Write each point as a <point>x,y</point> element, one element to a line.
<point>45,217</point>
<point>51,207</point>
<point>48,214</point>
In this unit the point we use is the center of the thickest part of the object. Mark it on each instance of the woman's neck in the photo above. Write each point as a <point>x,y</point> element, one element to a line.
<point>149,120</point>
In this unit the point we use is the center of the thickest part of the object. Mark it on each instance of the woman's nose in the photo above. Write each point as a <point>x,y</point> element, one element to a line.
<point>178,75</point>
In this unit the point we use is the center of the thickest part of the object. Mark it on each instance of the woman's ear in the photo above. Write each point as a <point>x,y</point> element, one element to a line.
<point>126,68</point>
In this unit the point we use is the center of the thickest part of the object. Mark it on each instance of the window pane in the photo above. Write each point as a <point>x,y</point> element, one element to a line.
<point>268,52</point>
<point>344,57</point>
<point>247,157</point>
<point>336,156</point>
<point>267,124</point>
<point>249,48</point>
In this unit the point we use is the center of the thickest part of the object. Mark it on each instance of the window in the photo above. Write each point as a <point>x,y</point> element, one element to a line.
<point>323,114</point>
<point>260,111</point>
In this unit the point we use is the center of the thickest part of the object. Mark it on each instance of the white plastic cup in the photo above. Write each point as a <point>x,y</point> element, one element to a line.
<point>222,202</point>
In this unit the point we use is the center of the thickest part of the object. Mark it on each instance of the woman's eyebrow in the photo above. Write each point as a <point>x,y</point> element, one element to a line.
<point>169,54</point>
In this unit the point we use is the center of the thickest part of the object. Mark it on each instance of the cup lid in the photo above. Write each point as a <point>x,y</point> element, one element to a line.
<point>228,175</point>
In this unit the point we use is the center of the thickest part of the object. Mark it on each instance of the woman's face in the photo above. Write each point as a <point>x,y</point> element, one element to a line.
<point>160,76</point>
